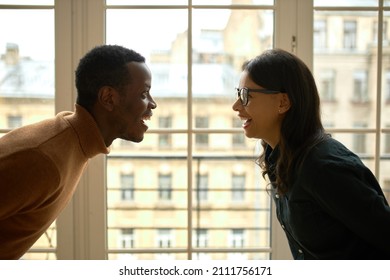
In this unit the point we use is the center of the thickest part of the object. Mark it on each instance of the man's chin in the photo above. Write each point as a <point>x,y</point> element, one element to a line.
<point>135,139</point>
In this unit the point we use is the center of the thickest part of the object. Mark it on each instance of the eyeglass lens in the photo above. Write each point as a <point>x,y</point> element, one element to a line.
<point>243,95</point>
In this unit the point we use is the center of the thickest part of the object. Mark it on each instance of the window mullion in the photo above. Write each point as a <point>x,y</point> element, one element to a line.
<point>81,227</point>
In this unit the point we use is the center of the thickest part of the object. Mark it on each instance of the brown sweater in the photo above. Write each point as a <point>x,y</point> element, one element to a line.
<point>40,166</point>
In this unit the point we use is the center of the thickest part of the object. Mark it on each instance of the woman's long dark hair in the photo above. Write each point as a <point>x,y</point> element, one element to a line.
<point>301,128</point>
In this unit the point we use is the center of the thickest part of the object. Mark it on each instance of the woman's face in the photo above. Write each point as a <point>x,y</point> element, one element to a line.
<point>262,116</point>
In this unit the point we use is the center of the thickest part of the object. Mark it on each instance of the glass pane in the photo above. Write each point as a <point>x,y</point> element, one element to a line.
<point>218,54</point>
<point>185,2</point>
<point>26,67</point>
<point>27,82</point>
<point>149,256</point>
<point>231,206</point>
<point>223,143</point>
<point>146,2</point>
<point>27,2</point>
<point>232,2</point>
<point>147,183</point>
<point>346,3</point>
<point>385,163</point>
<point>230,256</point>
<point>345,59</point>
<point>386,72</point>
<point>385,140</point>
<point>146,197</point>
<point>165,48</point>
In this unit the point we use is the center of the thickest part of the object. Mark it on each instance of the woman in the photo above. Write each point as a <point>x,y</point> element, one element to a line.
<point>328,203</point>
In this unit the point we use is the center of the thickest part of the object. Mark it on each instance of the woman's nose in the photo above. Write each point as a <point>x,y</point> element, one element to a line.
<point>237,105</point>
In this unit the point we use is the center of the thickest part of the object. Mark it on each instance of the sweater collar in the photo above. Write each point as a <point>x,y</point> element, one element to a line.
<point>91,140</point>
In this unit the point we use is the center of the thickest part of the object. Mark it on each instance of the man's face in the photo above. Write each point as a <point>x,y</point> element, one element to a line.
<point>134,105</point>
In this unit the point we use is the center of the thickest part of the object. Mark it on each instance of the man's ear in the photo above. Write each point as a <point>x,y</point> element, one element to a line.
<point>106,97</point>
<point>284,104</point>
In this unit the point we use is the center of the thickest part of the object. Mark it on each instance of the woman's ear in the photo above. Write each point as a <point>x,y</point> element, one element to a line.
<point>284,104</point>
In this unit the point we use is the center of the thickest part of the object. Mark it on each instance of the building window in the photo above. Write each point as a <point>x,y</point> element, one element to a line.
<point>14,121</point>
<point>238,187</point>
<point>319,34</point>
<point>350,34</point>
<point>238,138</point>
<point>164,240</point>
<point>360,88</point>
<point>165,186</point>
<point>127,238</point>
<point>327,85</point>
<point>165,140</point>
<point>202,185</point>
<point>237,240</point>
<point>202,139</point>
<point>201,238</point>
<point>359,140</point>
<point>127,187</point>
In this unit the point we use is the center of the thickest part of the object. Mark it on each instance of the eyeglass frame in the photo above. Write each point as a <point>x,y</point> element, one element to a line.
<point>248,90</point>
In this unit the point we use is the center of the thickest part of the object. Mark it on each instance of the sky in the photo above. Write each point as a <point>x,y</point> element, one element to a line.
<point>32,31</point>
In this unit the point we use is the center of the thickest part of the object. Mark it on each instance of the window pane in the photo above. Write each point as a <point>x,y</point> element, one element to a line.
<point>346,3</point>
<point>226,186</point>
<point>27,82</point>
<point>230,256</point>
<point>165,48</point>
<point>345,59</point>
<point>233,2</point>
<point>185,2</point>
<point>27,2</point>
<point>147,2</point>
<point>385,139</point>
<point>218,54</point>
<point>159,200</point>
<point>235,198</point>
<point>148,256</point>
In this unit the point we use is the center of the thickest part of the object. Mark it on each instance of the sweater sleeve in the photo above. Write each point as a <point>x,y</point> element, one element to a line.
<point>28,179</point>
<point>351,194</point>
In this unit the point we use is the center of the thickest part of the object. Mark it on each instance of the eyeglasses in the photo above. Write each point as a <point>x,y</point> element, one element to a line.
<point>242,93</point>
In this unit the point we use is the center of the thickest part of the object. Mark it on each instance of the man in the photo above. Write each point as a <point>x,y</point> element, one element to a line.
<point>41,164</point>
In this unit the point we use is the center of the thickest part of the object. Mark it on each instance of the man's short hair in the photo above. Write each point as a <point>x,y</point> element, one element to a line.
<point>103,66</point>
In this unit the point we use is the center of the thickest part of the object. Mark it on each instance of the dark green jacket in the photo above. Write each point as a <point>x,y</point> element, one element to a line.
<point>335,208</point>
